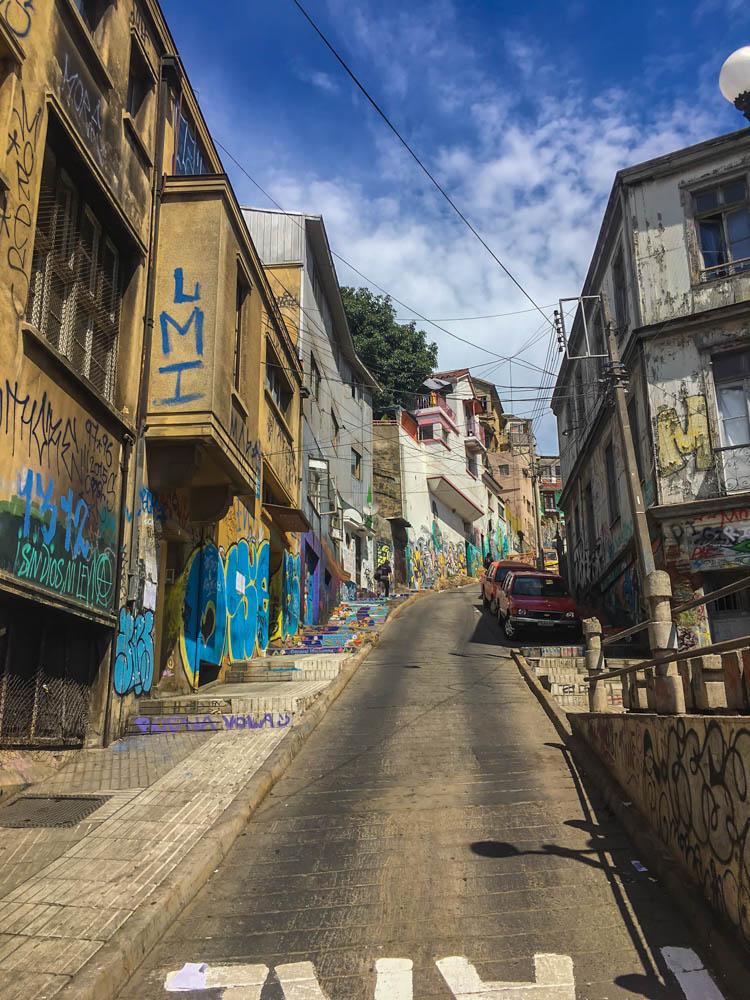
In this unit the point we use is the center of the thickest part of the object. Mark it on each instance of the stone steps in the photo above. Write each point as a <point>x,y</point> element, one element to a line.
<point>226,706</point>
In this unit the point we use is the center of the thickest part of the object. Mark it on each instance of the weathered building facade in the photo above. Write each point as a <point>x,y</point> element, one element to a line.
<point>512,462</point>
<point>552,519</point>
<point>672,259</point>
<point>338,553</point>
<point>432,485</point>
<point>148,503</point>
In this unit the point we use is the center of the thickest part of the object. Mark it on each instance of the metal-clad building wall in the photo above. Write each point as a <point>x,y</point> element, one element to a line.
<point>279,237</point>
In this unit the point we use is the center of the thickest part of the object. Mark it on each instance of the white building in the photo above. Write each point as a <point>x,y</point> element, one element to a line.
<point>433,486</point>
<point>673,258</point>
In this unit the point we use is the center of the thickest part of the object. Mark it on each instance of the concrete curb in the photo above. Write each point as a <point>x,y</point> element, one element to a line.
<point>116,961</point>
<point>729,960</point>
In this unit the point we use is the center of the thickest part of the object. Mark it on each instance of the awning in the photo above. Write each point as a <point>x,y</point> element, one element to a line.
<point>334,563</point>
<point>454,498</point>
<point>287,518</point>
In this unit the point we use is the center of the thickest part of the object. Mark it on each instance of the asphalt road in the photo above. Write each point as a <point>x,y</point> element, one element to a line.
<point>433,816</point>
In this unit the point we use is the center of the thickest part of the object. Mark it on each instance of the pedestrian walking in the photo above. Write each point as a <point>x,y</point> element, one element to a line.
<point>487,561</point>
<point>383,576</point>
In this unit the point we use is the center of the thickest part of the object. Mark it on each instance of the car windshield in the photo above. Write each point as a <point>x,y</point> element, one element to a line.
<point>540,586</point>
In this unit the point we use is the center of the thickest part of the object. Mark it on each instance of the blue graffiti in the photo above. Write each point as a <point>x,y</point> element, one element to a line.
<point>75,520</point>
<point>134,663</point>
<point>291,594</point>
<point>184,724</point>
<point>194,322</point>
<point>17,14</point>
<point>226,605</point>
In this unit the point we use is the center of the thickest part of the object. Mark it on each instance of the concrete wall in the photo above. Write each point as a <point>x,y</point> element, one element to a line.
<point>688,776</point>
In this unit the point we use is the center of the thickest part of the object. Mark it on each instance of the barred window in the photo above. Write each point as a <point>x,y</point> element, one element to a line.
<point>74,292</point>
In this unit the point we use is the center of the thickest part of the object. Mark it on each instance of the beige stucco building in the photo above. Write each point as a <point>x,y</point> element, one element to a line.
<point>150,408</point>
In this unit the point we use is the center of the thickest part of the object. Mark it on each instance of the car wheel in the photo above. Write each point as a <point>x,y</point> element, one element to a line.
<point>508,628</point>
<point>493,606</point>
<point>485,602</point>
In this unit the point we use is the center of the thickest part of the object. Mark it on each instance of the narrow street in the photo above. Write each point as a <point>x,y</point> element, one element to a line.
<point>434,814</point>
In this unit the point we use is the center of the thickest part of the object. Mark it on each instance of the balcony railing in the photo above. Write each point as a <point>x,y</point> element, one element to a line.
<point>429,401</point>
<point>474,429</point>
<point>734,467</point>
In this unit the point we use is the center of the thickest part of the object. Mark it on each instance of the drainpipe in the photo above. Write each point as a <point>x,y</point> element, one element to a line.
<point>124,467</point>
<point>169,71</point>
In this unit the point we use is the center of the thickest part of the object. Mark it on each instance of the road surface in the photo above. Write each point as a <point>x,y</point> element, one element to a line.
<point>431,839</point>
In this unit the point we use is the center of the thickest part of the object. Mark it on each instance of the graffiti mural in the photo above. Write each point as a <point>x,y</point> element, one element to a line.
<point>473,559</point>
<point>58,526</point>
<point>678,438</point>
<point>225,606</point>
<point>291,595</point>
<point>719,540</point>
<point>430,558</point>
<point>134,663</point>
<point>383,554</point>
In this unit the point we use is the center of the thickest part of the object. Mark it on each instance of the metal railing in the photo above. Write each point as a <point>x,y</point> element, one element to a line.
<point>713,678</point>
<point>433,400</point>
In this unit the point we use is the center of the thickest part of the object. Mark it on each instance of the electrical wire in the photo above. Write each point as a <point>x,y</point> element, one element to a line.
<point>419,162</point>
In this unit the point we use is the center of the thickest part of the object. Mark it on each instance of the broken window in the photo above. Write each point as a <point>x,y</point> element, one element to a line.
<point>723,228</point>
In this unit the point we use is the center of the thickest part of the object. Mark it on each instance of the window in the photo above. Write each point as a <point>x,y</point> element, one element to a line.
<point>732,380</point>
<point>74,288</point>
<point>503,470</point>
<point>636,433</point>
<point>89,11</point>
<point>580,399</point>
<point>188,155</point>
<point>276,382</point>
<point>314,378</point>
<point>722,226</point>
<point>335,431</point>
<point>471,465</point>
<point>425,432</point>
<point>612,495</point>
<point>549,503</point>
<point>539,586</point>
<point>588,498</point>
<point>621,293</point>
<point>140,81</point>
<point>356,465</point>
<point>239,311</point>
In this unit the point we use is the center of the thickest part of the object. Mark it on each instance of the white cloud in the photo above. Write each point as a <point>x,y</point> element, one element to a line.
<point>521,148</point>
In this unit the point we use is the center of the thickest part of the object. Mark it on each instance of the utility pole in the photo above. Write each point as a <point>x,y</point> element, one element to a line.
<point>664,691</point>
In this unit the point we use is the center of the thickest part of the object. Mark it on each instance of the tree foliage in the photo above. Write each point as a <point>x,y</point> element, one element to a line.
<point>398,354</point>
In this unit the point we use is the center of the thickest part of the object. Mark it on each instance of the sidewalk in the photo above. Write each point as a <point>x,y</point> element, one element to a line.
<point>65,892</point>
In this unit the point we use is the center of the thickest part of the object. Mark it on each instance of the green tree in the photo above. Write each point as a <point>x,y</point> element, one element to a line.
<point>398,354</point>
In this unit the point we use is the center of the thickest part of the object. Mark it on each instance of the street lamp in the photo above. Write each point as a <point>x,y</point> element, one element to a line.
<point>734,80</point>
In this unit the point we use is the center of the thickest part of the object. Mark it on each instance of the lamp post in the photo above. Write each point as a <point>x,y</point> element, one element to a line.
<point>734,80</point>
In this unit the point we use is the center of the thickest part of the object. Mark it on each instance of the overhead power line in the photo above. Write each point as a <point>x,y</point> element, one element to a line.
<point>419,162</point>
<point>425,319</point>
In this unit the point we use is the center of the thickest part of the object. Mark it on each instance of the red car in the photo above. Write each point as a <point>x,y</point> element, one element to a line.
<point>494,578</point>
<point>531,598</point>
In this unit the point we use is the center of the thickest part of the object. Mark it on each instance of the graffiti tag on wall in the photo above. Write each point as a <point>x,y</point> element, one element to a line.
<point>16,213</point>
<point>679,438</point>
<point>719,540</point>
<point>189,321</point>
<point>134,664</point>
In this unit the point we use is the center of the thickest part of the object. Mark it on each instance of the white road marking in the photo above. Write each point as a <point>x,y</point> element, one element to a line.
<point>239,982</point>
<point>299,981</point>
<point>691,974</point>
<point>553,976</point>
<point>394,979</point>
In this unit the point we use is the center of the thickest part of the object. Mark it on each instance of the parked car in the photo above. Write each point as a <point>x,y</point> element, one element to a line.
<point>535,599</point>
<point>494,579</point>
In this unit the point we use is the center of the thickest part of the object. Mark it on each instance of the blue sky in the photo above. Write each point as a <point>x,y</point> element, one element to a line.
<point>524,112</point>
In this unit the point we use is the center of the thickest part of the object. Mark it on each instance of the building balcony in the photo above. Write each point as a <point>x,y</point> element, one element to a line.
<point>202,426</point>
<point>474,439</point>
<point>431,402</point>
<point>734,468</point>
<point>454,498</point>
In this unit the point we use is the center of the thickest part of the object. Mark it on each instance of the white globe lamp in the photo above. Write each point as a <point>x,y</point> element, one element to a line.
<point>734,80</point>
